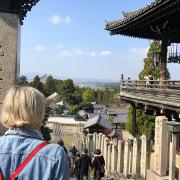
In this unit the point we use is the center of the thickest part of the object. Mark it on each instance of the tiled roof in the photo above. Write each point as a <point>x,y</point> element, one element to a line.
<point>132,15</point>
<point>20,7</point>
<point>100,120</point>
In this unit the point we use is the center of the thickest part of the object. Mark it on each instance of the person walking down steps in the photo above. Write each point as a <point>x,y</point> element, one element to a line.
<point>98,165</point>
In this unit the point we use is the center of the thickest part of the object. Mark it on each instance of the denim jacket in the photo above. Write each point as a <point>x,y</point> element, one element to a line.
<point>49,163</point>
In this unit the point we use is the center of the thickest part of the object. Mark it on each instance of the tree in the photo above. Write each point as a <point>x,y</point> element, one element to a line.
<point>73,109</point>
<point>149,64</point>
<point>50,86</point>
<point>145,123</point>
<point>23,81</point>
<point>88,107</point>
<point>37,84</point>
<point>59,109</point>
<point>66,91</point>
<point>88,95</point>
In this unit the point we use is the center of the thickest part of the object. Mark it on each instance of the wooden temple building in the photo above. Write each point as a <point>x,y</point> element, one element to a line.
<point>157,21</point>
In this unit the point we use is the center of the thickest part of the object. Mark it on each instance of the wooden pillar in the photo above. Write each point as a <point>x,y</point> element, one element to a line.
<point>133,120</point>
<point>163,61</point>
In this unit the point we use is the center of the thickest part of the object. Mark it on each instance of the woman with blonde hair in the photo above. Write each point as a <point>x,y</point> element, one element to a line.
<point>23,152</point>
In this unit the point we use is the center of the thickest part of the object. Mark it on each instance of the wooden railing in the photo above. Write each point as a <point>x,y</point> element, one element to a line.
<point>155,84</point>
<point>154,92</point>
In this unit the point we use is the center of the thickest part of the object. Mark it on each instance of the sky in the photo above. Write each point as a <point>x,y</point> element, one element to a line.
<point>66,38</point>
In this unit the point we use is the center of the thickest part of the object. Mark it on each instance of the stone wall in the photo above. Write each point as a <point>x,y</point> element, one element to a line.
<point>9,53</point>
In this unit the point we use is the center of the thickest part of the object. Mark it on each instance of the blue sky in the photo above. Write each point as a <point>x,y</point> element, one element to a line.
<point>66,38</point>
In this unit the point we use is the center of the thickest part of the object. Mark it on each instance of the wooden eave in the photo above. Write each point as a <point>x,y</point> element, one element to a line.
<point>156,21</point>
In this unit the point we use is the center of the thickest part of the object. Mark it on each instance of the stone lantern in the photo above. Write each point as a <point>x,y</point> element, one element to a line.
<point>174,129</point>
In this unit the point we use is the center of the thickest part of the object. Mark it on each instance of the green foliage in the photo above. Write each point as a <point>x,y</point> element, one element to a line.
<point>149,65</point>
<point>88,95</point>
<point>78,117</point>
<point>145,123</point>
<point>50,86</point>
<point>88,107</point>
<point>105,96</point>
<point>110,118</point>
<point>37,84</point>
<point>23,81</point>
<point>66,91</point>
<point>59,110</point>
<point>73,109</point>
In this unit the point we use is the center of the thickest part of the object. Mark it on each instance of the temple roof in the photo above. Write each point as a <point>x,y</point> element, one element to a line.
<point>155,21</point>
<point>20,7</point>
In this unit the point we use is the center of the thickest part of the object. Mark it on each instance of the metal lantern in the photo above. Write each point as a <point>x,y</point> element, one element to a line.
<point>173,127</point>
<point>156,57</point>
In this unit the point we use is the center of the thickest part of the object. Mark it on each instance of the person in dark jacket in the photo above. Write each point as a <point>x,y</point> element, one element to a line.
<point>76,169</point>
<point>61,143</point>
<point>85,162</point>
<point>98,165</point>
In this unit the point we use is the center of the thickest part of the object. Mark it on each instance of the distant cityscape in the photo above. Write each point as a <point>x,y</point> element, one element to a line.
<point>92,83</point>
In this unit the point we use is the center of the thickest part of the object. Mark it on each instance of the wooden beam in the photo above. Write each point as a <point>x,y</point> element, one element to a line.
<point>163,61</point>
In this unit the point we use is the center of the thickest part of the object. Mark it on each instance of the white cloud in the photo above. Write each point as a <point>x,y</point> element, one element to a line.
<point>67,53</point>
<point>64,54</point>
<point>93,54</point>
<point>105,53</point>
<point>78,51</point>
<point>39,47</point>
<point>56,19</point>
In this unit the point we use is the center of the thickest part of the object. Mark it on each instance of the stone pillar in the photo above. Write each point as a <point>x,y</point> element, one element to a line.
<point>102,143</point>
<point>94,141</point>
<point>109,159</point>
<point>145,156</point>
<point>100,139</point>
<point>136,157</point>
<point>172,157</point>
<point>120,156</point>
<point>130,157</point>
<point>87,142</point>
<point>126,159</point>
<point>97,140</point>
<point>114,158</point>
<point>90,150</point>
<point>161,146</point>
<point>9,53</point>
<point>106,141</point>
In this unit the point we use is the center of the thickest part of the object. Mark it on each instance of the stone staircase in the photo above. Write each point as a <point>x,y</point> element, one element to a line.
<point>118,176</point>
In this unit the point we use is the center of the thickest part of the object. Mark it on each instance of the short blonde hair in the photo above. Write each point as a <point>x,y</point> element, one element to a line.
<point>23,107</point>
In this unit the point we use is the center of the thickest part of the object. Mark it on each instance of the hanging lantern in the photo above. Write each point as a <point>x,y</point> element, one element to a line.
<point>156,57</point>
<point>174,56</point>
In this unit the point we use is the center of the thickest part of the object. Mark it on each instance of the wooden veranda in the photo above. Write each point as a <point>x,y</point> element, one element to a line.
<point>157,21</point>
